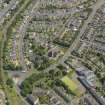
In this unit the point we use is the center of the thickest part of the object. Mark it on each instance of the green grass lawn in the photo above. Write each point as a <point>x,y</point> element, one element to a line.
<point>13,97</point>
<point>72,85</point>
<point>69,83</point>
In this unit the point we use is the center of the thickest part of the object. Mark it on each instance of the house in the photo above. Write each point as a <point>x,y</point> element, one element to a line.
<point>54,53</point>
<point>33,100</point>
<point>88,74</point>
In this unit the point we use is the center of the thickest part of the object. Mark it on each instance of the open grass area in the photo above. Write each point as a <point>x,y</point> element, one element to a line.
<point>73,85</point>
<point>13,97</point>
<point>69,83</point>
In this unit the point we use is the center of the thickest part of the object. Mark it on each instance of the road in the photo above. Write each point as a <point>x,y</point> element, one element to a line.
<point>3,43</point>
<point>76,41</point>
<point>4,32</point>
<point>72,47</point>
<point>68,20</point>
<point>99,46</point>
<point>22,32</point>
<point>5,10</point>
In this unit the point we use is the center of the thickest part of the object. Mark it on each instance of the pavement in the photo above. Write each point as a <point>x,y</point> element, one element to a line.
<point>24,26</point>
<point>22,32</point>
<point>4,31</point>
<point>76,41</point>
<point>5,10</point>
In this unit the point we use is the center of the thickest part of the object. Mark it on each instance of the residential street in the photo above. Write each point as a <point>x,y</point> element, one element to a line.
<point>52,52</point>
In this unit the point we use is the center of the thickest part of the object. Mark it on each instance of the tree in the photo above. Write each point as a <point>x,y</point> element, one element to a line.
<point>9,82</point>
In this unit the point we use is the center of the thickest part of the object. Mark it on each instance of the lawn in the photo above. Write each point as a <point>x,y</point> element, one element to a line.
<point>13,97</point>
<point>69,83</point>
<point>73,85</point>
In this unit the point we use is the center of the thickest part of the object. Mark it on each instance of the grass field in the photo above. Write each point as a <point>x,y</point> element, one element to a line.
<point>13,97</point>
<point>73,85</point>
<point>69,83</point>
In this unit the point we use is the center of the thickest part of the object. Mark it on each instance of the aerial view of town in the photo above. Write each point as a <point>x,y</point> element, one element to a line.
<point>52,52</point>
